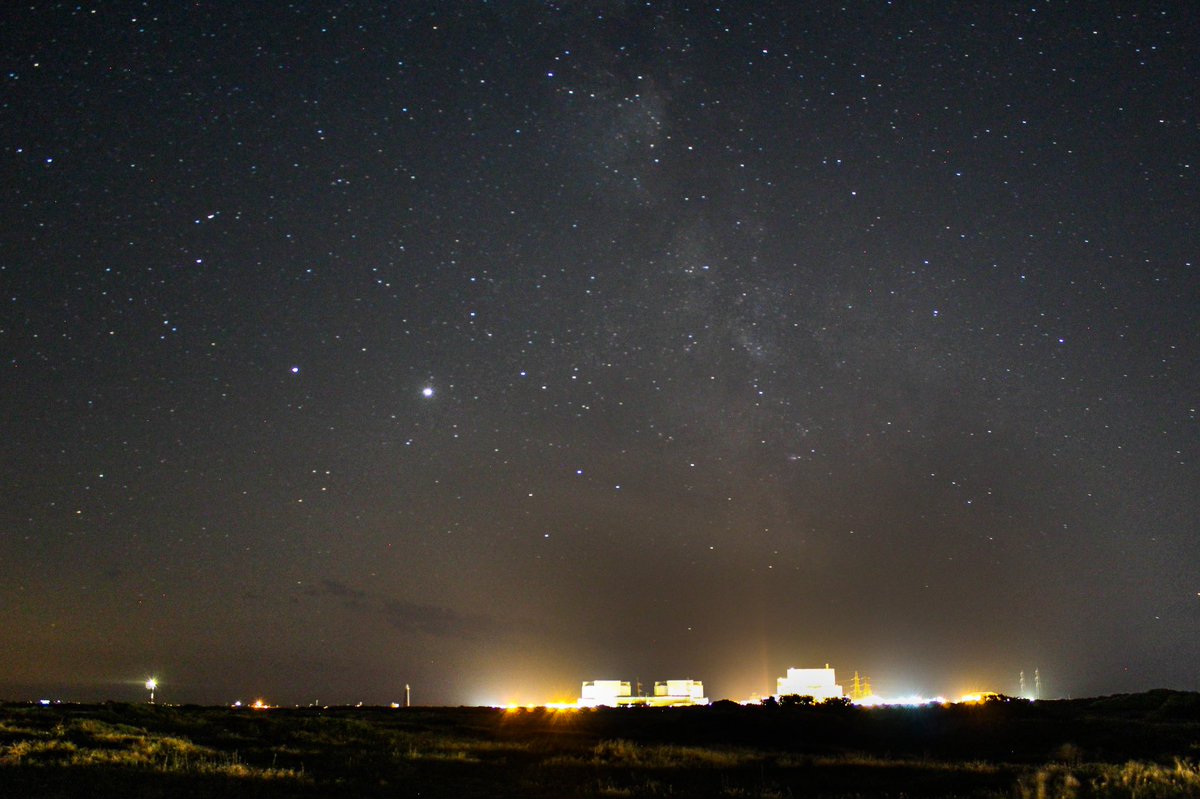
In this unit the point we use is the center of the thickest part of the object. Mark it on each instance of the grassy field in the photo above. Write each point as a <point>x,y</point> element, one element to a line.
<point>1141,745</point>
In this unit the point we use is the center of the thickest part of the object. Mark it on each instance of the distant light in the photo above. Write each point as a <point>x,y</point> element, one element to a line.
<point>554,706</point>
<point>151,684</point>
<point>43,701</point>
<point>906,701</point>
<point>295,370</point>
<point>976,697</point>
<point>427,392</point>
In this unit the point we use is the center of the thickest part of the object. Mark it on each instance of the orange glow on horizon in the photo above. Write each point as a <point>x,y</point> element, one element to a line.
<point>976,697</point>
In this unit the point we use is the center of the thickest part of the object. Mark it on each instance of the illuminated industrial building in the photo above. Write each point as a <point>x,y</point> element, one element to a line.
<point>619,693</point>
<point>605,692</point>
<point>678,692</point>
<point>820,684</point>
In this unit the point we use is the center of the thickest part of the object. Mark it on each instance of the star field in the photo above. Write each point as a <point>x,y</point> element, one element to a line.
<point>494,347</point>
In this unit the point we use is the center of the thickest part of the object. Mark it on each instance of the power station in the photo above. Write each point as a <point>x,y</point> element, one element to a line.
<point>619,693</point>
<point>820,684</point>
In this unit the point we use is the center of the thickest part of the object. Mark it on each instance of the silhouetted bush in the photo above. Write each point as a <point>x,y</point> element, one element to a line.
<point>1118,747</point>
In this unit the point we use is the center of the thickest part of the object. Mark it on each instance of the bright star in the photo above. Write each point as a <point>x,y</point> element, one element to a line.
<point>427,392</point>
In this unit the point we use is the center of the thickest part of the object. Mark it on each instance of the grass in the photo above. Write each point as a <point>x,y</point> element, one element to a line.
<point>1131,780</point>
<point>83,744</point>
<point>1018,752</point>
<point>664,756</point>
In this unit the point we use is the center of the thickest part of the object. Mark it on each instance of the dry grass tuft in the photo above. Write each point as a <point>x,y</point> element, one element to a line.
<point>1132,780</point>
<point>626,753</point>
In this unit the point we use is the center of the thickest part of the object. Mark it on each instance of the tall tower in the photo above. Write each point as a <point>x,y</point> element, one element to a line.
<point>1037,684</point>
<point>1022,694</point>
<point>860,687</point>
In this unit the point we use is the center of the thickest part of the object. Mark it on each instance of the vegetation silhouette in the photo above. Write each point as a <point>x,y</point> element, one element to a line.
<point>1119,746</point>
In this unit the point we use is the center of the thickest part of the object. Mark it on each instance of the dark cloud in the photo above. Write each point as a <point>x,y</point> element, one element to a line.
<point>338,589</point>
<point>408,617</point>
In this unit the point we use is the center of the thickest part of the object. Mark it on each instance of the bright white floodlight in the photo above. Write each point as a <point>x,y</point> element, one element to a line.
<point>151,684</point>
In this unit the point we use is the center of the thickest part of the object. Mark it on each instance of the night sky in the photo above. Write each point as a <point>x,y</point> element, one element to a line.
<point>495,346</point>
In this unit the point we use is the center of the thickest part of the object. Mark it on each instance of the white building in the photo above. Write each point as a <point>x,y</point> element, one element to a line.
<point>679,692</point>
<point>619,693</point>
<point>820,684</point>
<point>605,692</point>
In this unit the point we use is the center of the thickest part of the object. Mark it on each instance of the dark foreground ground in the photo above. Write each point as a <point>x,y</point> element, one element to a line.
<point>1143,745</point>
